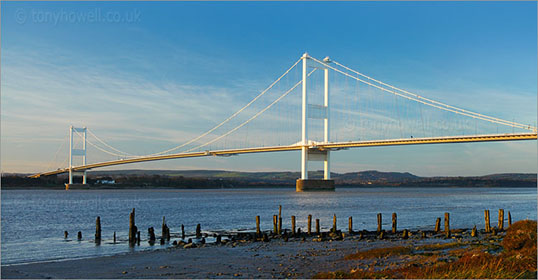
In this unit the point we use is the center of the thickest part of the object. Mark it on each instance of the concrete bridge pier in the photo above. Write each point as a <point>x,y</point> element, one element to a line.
<point>309,185</point>
<point>305,184</point>
<point>72,185</point>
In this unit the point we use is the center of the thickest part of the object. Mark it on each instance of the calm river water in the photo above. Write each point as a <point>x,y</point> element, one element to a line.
<point>34,221</point>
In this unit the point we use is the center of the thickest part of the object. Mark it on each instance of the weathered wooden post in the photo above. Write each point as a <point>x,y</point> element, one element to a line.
<point>279,211</point>
<point>275,224</point>
<point>350,225</point>
<point>379,222</point>
<point>114,237</point>
<point>258,231</point>
<point>309,224</point>
<point>138,238</point>
<point>182,231</point>
<point>98,229</point>
<point>318,231</point>
<point>151,233</point>
<point>79,235</point>
<point>437,225</point>
<point>163,228</point>
<point>405,234</point>
<point>132,228</point>
<point>501,220</point>
<point>394,222</point>
<point>280,225</point>
<point>167,233</point>
<point>447,225</point>
<point>66,234</point>
<point>473,232</point>
<point>509,219</point>
<point>293,225</point>
<point>198,231</point>
<point>486,217</point>
<point>334,223</point>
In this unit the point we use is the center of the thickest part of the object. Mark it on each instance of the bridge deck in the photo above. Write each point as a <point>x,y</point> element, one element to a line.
<point>320,146</point>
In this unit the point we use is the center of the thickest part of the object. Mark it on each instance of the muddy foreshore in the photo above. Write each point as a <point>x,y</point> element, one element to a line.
<point>244,256</point>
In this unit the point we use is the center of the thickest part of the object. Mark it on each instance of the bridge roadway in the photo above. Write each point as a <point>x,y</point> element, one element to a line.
<point>318,146</point>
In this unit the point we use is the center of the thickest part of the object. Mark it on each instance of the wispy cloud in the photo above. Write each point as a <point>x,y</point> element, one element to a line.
<point>41,96</point>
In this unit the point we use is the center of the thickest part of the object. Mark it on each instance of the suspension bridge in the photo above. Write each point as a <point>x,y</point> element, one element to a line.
<point>316,107</point>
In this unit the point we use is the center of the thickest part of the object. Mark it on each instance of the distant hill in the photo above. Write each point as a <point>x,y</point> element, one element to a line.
<point>362,176</point>
<point>512,176</point>
<point>369,177</point>
<point>374,175</point>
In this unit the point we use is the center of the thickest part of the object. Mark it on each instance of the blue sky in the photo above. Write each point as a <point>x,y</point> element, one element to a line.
<point>149,76</point>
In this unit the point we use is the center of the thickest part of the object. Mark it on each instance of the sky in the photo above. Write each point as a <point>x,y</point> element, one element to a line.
<point>147,76</point>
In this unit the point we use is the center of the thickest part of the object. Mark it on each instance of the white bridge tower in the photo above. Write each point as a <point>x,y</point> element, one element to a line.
<point>76,153</point>
<point>311,111</point>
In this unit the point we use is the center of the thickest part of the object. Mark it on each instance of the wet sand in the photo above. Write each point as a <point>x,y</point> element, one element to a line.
<point>242,259</point>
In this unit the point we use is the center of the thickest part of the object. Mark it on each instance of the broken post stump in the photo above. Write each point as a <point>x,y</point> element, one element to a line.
<point>473,232</point>
<point>279,225</point>
<point>275,224</point>
<point>198,231</point>
<point>379,222</point>
<point>182,231</point>
<point>114,237</point>
<point>66,234</point>
<point>394,222</point>
<point>486,218</point>
<point>509,219</point>
<point>309,224</point>
<point>79,235</point>
<point>447,225</point>
<point>334,223</point>
<point>437,225</point>
<point>151,233</point>
<point>258,231</point>
<point>317,227</point>
<point>98,229</point>
<point>293,225</point>
<point>350,225</point>
<point>163,228</point>
<point>167,233</point>
<point>132,228</point>
<point>501,220</point>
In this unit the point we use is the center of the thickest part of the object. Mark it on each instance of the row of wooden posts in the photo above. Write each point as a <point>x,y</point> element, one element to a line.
<point>277,223</point>
<point>165,230</point>
<point>134,234</point>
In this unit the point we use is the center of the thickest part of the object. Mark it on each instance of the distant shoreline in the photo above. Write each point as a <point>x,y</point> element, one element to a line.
<point>101,187</point>
<point>218,179</point>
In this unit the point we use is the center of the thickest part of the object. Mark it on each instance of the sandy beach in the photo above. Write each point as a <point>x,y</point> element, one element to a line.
<point>241,259</point>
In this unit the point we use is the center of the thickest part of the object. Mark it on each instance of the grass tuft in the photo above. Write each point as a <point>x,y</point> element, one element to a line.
<point>379,253</point>
<point>434,247</point>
